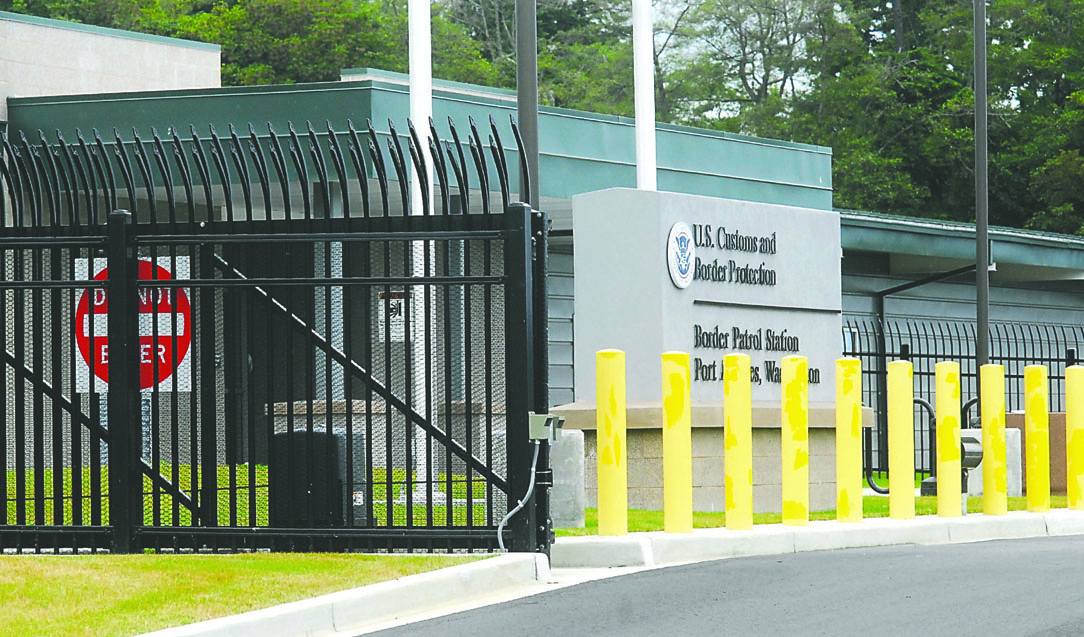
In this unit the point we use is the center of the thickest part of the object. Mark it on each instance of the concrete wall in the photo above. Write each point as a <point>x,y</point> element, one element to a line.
<point>50,57</point>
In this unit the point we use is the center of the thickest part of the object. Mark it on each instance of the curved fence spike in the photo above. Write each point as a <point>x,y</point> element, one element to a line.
<point>399,164</point>
<point>47,168</point>
<point>181,160</point>
<point>105,171</point>
<point>321,169</point>
<point>524,170</point>
<point>480,166</point>
<point>421,172</point>
<point>440,167</point>
<point>497,148</point>
<point>200,157</point>
<point>256,152</point>
<point>494,146</point>
<point>65,169</point>
<point>339,162</point>
<point>279,160</point>
<point>33,182</point>
<point>218,154</point>
<point>148,178</point>
<point>167,176</point>
<point>461,171</point>
<point>242,170</point>
<point>9,174</point>
<point>357,155</point>
<point>442,176</point>
<point>378,165</point>
<point>125,166</point>
<point>302,169</point>
<point>480,162</point>
<point>84,179</point>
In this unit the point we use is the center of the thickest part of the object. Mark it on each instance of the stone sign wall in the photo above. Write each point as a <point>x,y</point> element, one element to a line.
<point>657,272</point>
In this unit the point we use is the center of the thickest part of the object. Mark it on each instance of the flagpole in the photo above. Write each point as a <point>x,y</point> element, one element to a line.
<point>643,48</point>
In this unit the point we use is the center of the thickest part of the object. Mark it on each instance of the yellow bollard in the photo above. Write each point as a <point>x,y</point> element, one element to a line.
<point>738,442</point>
<point>1037,432</point>
<point>949,498</point>
<point>1074,436</point>
<point>849,440</point>
<point>677,444</point>
<point>613,496</point>
<point>795,444</point>
<point>992,411</point>
<point>901,441</point>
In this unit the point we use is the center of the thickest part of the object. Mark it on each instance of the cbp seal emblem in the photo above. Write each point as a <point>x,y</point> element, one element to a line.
<point>680,254</point>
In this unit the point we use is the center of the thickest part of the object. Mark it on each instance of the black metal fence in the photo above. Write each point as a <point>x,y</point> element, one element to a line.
<point>269,351</point>
<point>926,343</point>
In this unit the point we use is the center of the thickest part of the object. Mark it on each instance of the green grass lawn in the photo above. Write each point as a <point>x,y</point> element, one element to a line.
<point>133,594</point>
<point>880,478</point>
<point>872,507</point>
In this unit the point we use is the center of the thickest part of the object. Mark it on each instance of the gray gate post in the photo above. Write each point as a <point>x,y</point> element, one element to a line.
<point>125,477</point>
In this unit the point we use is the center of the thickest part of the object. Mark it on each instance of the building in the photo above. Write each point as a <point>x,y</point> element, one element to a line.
<point>1037,280</point>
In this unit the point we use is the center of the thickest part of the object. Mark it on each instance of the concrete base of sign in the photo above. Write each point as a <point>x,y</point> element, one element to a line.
<point>1013,457</point>
<point>568,497</point>
<point>644,444</point>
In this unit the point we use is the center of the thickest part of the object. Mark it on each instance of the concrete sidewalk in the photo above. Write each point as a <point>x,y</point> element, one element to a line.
<point>580,559</point>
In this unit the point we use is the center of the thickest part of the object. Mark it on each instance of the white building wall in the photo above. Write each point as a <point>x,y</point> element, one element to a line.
<point>49,57</point>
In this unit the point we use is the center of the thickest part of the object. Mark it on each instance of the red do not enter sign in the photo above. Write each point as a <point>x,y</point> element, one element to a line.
<point>165,329</point>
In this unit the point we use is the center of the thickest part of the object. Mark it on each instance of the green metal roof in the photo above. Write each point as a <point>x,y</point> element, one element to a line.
<point>580,152</point>
<point>875,232</point>
<point>116,33</point>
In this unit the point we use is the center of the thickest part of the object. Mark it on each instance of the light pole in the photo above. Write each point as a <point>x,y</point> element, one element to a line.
<point>982,242</point>
<point>527,93</point>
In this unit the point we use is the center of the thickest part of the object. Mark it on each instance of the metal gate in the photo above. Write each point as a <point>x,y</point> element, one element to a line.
<point>271,350</point>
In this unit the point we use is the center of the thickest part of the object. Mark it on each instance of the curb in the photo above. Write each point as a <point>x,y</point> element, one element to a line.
<point>355,608</point>
<point>658,548</point>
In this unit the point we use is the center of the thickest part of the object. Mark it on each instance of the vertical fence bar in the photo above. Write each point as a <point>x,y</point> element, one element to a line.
<point>849,440</point>
<point>880,376</point>
<point>992,411</point>
<point>1037,432</point>
<point>948,444</point>
<point>125,479</point>
<point>677,467</point>
<point>55,258</point>
<point>5,498</point>
<point>738,442</point>
<point>519,353</point>
<point>901,441</point>
<point>1074,436</point>
<point>37,329</point>
<point>208,421</point>
<point>795,440</point>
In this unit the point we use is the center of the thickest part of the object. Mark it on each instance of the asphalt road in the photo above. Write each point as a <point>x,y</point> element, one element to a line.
<point>1017,587</point>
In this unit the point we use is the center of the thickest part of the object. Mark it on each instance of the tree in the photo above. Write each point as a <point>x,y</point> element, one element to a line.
<point>744,59</point>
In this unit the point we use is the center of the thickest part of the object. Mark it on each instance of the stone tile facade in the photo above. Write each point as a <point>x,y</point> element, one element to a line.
<point>644,444</point>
